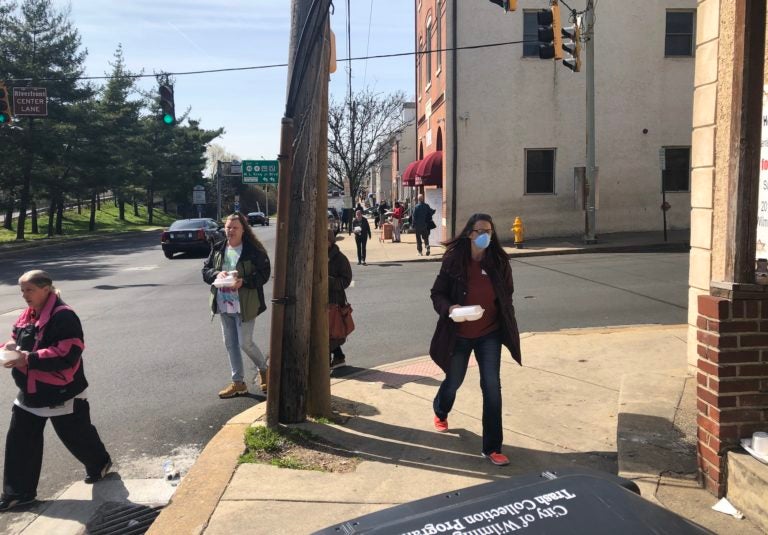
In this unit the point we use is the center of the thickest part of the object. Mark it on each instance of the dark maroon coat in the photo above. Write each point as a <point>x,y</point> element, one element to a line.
<point>450,289</point>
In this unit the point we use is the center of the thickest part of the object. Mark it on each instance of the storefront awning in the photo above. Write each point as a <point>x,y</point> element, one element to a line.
<point>430,170</point>
<point>409,175</point>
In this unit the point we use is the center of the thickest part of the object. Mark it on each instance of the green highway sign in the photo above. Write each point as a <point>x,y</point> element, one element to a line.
<point>260,171</point>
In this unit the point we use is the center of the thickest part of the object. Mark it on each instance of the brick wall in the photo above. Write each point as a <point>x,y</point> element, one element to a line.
<point>732,378</point>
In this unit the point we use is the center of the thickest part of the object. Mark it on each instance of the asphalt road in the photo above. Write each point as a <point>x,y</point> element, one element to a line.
<point>155,360</point>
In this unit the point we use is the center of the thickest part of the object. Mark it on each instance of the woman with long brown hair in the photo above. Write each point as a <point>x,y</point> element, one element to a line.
<point>475,271</point>
<point>242,258</point>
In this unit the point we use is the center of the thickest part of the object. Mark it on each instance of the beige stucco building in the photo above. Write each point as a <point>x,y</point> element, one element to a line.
<point>512,126</point>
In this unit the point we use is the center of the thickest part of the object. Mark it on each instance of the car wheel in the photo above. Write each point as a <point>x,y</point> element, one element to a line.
<point>168,254</point>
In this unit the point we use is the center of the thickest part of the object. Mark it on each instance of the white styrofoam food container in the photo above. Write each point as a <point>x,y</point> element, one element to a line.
<point>6,355</point>
<point>224,282</point>
<point>470,313</point>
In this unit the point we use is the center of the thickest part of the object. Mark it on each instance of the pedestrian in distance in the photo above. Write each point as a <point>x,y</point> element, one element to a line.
<point>339,279</point>
<point>421,223</point>
<point>397,221</point>
<point>241,266</point>
<point>382,210</point>
<point>475,271</point>
<point>362,231</point>
<point>47,346</point>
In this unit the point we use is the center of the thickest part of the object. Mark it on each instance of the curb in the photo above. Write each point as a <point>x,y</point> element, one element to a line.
<point>199,492</point>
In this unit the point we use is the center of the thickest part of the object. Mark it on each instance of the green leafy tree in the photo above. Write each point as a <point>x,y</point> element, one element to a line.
<point>41,48</point>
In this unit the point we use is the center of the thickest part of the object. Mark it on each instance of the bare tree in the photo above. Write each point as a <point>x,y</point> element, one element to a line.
<point>215,152</point>
<point>354,133</point>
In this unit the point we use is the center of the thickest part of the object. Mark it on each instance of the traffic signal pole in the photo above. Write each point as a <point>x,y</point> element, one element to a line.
<point>590,233</point>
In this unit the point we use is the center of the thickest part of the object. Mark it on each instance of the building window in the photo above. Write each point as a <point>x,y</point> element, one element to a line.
<point>419,67</point>
<point>677,173</point>
<point>539,171</point>
<point>439,34</point>
<point>530,35</point>
<point>678,38</point>
<point>428,55</point>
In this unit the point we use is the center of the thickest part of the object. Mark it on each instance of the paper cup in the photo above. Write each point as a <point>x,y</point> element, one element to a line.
<point>760,442</point>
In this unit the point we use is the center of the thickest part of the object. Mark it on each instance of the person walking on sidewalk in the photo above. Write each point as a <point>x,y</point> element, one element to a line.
<point>397,221</point>
<point>421,222</point>
<point>362,231</point>
<point>339,278</point>
<point>241,256</point>
<point>475,271</point>
<point>48,339</point>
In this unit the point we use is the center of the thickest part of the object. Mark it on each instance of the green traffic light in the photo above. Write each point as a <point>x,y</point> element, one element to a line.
<point>3,118</point>
<point>168,118</point>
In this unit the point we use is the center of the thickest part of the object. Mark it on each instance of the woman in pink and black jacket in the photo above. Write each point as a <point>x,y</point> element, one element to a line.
<point>48,370</point>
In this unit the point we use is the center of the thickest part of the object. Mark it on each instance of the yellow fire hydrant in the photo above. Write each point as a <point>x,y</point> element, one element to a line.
<point>517,229</point>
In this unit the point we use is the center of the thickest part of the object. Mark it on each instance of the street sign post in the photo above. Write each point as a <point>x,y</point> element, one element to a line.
<point>260,171</point>
<point>30,101</point>
<point>198,199</point>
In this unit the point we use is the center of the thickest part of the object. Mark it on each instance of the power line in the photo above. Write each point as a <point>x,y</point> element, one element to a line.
<point>368,42</point>
<point>279,65</point>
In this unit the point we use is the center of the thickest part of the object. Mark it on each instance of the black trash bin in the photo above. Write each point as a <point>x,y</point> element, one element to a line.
<point>558,502</point>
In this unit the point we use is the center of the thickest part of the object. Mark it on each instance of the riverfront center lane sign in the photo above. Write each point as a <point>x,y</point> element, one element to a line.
<point>30,101</point>
<point>260,171</point>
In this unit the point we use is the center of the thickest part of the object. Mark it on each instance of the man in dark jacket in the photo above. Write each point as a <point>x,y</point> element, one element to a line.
<point>420,222</point>
<point>339,278</point>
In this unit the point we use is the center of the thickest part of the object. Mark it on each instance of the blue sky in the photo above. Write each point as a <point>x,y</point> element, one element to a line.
<point>193,35</point>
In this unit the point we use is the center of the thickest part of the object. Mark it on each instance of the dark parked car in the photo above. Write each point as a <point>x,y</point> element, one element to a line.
<point>258,218</point>
<point>190,236</point>
<point>334,221</point>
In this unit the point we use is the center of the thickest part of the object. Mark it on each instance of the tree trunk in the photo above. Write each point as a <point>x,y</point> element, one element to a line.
<point>51,214</point>
<point>33,209</point>
<point>120,205</point>
<point>8,220</point>
<point>92,220</point>
<point>135,206</point>
<point>79,205</point>
<point>165,205</point>
<point>59,214</point>
<point>150,203</point>
<point>27,181</point>
<point>98,201</point>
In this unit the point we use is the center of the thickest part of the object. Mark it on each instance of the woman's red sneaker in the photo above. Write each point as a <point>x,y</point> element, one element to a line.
<point>441,425</point>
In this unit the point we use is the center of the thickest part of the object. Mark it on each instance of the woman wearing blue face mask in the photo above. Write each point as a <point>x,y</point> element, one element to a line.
<point>475,271</point>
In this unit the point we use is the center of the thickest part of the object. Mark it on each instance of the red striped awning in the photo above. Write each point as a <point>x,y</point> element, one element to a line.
<point>409,175</point>
<point>430,170</point>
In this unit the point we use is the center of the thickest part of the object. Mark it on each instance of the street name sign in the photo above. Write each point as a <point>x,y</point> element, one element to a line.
<point>198,195</point>
<point>260,171</point>
<point>30,101</point>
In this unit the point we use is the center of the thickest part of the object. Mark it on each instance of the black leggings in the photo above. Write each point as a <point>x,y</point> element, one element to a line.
<point>361,242</point>
<point>24,447</point>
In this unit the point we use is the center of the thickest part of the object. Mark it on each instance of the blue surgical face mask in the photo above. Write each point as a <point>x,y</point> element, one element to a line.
<point>482,241</point>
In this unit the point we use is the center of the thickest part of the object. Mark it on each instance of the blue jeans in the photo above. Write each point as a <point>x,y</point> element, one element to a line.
<point>488,355</point>
<point>239,335</point>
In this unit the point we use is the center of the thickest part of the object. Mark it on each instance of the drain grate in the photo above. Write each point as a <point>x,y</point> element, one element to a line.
<point>121,518</point>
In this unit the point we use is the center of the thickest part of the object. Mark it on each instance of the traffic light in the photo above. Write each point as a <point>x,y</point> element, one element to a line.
<point>5,105</point>
<point>508,5</point>
<point>166,104</point>
<point>572,45</point>
<point>550,33</point>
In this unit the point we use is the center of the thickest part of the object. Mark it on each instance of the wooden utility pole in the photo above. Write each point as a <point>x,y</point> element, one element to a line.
<point>290,337</point>
<point>319,401</point>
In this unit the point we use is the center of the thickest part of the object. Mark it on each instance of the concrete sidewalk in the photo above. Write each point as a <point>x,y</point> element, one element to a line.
<point>380,251</point>
<point>612,399</point>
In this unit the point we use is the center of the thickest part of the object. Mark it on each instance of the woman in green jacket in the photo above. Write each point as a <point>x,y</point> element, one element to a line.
<point>242,258</point>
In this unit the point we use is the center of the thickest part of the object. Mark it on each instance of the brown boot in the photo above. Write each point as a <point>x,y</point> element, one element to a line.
<point>263,376</point>
<point>233,390</point>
